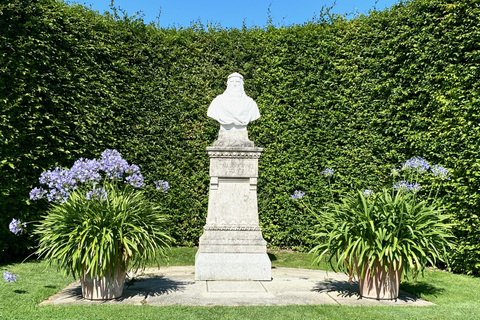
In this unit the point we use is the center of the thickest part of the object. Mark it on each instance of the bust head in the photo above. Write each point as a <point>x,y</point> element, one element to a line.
<point>235,83</point>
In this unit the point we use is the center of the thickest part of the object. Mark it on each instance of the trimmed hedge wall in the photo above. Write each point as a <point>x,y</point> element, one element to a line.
<point>358,96</point>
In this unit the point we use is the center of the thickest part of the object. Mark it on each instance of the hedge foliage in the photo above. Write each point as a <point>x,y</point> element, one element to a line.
<point>358,96</point>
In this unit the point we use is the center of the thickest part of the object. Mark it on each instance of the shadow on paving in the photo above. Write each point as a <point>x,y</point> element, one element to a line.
<point>73,292</point>
<point>152,286</point>
<point>342,288</point>
<point>345,289</point>
<point>144,287</point>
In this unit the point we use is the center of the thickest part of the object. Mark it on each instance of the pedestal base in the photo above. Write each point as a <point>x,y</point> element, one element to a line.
<point>232,246</point>
<point>232,266</point>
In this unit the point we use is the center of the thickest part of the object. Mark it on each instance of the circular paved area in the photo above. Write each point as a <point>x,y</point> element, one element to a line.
<point>177,286</point>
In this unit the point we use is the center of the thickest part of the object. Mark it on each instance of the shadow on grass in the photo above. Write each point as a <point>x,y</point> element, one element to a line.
<point>421,289</point>
<point>20,291</point>
<point>26,259</point>
<point>272,256</point>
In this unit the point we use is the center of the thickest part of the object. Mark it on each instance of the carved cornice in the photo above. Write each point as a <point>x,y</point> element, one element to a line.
<point>234,149</point>
<point>232,228</point>
<point>234,154</point>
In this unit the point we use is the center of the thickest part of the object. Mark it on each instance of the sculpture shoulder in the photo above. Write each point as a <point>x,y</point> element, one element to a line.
<point>218,99</point>
<point>250,100</point>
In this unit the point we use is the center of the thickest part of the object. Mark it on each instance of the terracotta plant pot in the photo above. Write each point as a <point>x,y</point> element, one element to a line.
<point>382,285</point>
<point>103,288</point>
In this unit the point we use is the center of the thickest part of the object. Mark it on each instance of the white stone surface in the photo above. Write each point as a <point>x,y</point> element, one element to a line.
<point>176,286</point>
<point>233,136</point>
<point>232,246</point>
<point>233,107</point>
<point>232,266</point>
<point>235,286</point>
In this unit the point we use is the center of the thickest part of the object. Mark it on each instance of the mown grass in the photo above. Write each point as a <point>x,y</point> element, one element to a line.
<point>456,297</point>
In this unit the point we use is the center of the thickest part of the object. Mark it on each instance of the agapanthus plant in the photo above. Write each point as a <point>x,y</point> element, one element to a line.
<point>392,226</point>
<point>100,217</point>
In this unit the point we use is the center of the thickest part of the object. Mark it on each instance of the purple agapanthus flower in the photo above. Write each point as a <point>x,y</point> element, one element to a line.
<point>133,169</point>
<point>135,180</point>
<point>328,172</point>
<point>415,187</point>
<point>407,186</point>
<point>162,185</point>
<point>416,163</point>
<point>367,193</point>
<point>60,179</point>
<point>16,226</point>
<point>9,277</point>
<point>86,170</point>
<point>298,194</point>
<point>401,185</point>
<point>111,153</point>
<point>97,194</point>
<point>37,193</point>
<point>440,172</point>
<point>60,182</point>
<point>56,195</point>
<point>113,164</point>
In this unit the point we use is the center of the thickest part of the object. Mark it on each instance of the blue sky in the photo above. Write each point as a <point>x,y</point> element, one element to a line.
<point>231,14</point>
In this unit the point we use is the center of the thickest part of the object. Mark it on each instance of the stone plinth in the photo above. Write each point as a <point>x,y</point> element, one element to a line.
<point>232,246</point>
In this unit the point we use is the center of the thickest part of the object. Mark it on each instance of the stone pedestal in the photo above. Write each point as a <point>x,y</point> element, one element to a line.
<point>232,246</point>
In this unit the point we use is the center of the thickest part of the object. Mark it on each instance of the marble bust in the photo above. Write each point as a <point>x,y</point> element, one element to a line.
<point>233,108</point>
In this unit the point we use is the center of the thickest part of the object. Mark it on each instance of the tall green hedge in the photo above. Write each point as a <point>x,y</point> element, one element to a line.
<point>358,96</point>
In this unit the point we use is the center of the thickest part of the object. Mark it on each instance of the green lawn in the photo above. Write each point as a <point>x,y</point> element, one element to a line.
<point>456,296</point>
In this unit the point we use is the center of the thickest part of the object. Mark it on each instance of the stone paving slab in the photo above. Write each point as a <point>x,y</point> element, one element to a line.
<point>235,286</point>
<point>289,286</point>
